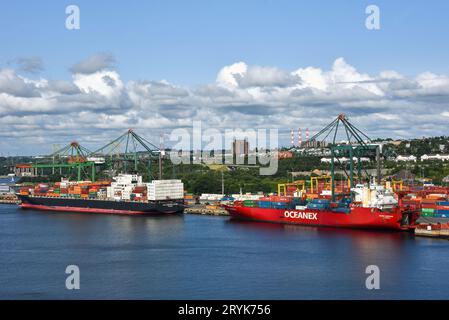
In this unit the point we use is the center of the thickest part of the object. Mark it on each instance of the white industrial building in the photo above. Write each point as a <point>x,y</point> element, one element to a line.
<point>440,157</point>
<point>344,159</point>
<point>406,158</point>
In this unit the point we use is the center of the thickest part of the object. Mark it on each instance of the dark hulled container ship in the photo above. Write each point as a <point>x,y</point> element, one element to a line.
<point>127,194</point>
<point>100,206</point>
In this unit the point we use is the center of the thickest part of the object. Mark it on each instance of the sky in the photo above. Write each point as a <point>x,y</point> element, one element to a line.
<point>159,65</point>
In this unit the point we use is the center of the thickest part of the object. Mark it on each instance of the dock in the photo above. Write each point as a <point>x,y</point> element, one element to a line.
<point>9,199</point>
<point>211,210</point>
<point>433,230</point>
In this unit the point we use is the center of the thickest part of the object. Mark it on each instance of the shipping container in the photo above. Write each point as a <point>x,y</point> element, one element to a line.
<point>264,204</point>
<point>280,205</point>
<point>318,206</point>
<point>426,214</point>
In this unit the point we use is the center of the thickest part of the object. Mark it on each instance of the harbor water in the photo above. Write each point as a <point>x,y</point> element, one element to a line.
<point>206,257</point>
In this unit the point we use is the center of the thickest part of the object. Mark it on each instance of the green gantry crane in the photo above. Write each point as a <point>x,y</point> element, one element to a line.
<point>357,145</point>
<point>125,149</point>
<point>72,156</point>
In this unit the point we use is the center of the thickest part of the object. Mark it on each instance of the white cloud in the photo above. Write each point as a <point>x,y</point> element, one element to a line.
<point>106,83</point>
<point>30,64</point>
<point>95,106</point>
<point>227,76</point>
<point>97,62</point>
<point>13,84</point>
<point>312,78</point>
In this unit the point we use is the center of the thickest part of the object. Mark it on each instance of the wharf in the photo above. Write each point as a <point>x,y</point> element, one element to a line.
<point>206,210</point>
<point>9,198</point>
<point>433,230</point>
<point>9,201</point>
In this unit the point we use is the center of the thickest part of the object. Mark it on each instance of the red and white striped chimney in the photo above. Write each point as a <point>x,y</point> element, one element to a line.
<point>299,137</point>
<point>292,136</point>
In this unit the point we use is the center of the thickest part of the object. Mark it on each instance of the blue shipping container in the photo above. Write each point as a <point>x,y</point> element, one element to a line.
<point>320,201</point>
<point>280,206</point>
<point>265,204</point>
<point>318,206</point>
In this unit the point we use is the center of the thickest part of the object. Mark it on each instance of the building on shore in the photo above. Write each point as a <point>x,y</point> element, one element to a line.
<point>410,158</point>
<point>285,154</point>
<point>446,179</point>
<point>240,148</point>
<point>344,159</point>
<point>439,157</point>
<point>24,170</point>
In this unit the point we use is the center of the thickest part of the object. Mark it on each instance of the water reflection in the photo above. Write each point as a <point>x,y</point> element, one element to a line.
<point>342,250</point>
<point>179,257</point>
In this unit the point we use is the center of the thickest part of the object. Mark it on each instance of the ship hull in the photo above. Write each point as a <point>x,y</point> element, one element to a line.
<point>360,218</point>
<point>100,206</point>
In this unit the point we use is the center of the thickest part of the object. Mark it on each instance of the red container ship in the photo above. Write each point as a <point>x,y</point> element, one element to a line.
<point>374,207</point>
<point>357,217</point>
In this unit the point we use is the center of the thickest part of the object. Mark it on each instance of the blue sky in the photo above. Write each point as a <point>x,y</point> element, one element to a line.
<point>159,65</point>
<point>187,42</point>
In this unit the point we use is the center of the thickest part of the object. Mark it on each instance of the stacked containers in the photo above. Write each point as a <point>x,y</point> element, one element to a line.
<point>63,191</point>
<point>63,188</point>
<point>298,203</point>
<point>265,204</point>
<point>139,193</point>
<point>442,209</point>
<point>24,191</point>
<point>428,207</point>
<point>280,205</point>
<point>77,191</point>
<point>93,190</point>
<point>281,202</point>
<point>56,188</point>
<point>319,204</point>
<point>41,189</point>
<point>344,202</point>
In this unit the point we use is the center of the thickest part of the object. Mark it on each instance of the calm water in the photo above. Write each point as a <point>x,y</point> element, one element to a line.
<point>200,257</point>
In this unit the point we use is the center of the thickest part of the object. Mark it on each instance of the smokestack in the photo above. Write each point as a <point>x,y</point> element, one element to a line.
<point>299,137</point>
<point>292,136</point>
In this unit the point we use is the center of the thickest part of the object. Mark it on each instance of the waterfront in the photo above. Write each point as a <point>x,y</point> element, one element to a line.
<point>207,257</point>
